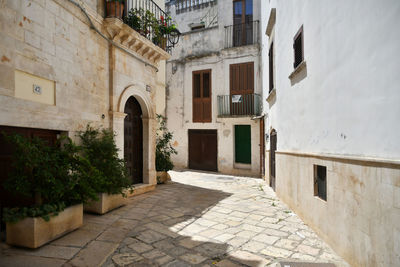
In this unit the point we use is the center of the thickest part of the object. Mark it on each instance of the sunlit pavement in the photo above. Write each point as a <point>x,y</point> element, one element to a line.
<point>200,219</point>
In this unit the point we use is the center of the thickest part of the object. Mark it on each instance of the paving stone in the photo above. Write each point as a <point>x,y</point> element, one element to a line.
<point>150,236</point>
<point>267,239</point>
<point>164,260</point>
<point>140,247</point>
<point>126,258</point>
<point>253,246</point>
<point>189,243</point>
<point>78,238</point>
<point>276,252</point>
<point>113,234</point>
<point>177,263</point>
<point>164,245</point>
<point>193,258</point>
<point>49,251</point>
<point>286,244</point>
<point>94,254</point>
<point>153,254</point>
<point>220,226</point>
<point>237,241</point>
<point>246,234</point>
<point>248,259</point>
<point>224,237</point>
<point>226,263</point>
<point>211,233</point>
<point>12,260</point>
<point>307,250</point>
<point>252,228</point>
<point>304,257</point>
<point>275,233</point>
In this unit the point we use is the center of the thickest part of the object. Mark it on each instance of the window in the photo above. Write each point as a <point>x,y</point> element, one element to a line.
<point>298,47</point>
<point>241,82</point>
<point>242,22</point>
<point>243,144</point>
<point>320,181</point>
<point>202,96</point>
<point>271,67</point>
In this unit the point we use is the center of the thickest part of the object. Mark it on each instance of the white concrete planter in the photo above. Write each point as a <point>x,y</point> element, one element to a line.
<point>105,203</point>
<point>35,232</point>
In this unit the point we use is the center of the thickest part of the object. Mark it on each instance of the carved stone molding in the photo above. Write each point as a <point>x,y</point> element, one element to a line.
<point>130,39</point>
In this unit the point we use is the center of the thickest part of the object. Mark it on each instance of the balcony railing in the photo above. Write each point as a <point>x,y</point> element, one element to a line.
<point>147,18</point>
<point>242,34</point>
<point>239,105</point>
<point>187,5</point>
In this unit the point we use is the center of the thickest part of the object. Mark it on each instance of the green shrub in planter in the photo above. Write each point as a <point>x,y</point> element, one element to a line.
<point>54,176</point>
<point>164,148</point>
<point>99,147</point>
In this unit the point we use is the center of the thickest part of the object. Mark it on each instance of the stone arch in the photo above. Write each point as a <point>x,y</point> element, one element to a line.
<point>148,124</point>
<point>141,96</point>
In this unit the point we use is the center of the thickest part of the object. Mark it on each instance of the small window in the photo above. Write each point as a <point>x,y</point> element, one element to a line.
<point>320,181</point>
<point>298,47</point>
<point>271,67</point>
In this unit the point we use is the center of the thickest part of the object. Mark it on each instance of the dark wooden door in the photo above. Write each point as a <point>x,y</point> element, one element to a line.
<point>272,162</point>
<point>242,22</point>
<point>133,140</point>
<point>9,199</point>
<point>203,150</point>
<point>202,96</point>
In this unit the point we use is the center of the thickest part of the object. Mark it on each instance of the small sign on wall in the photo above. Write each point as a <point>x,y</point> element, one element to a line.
<point>236,98</point>
<point>37,89</point>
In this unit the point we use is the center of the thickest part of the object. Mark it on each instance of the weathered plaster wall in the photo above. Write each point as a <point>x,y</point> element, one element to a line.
<point>52,40</point>
<point>333,114</point>
<point>204,49</point>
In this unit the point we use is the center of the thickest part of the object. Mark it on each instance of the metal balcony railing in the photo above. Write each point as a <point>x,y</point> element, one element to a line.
<point>187,5</point>
<point>242,34</point>
<point>239,105</point>
<point>147,18</point>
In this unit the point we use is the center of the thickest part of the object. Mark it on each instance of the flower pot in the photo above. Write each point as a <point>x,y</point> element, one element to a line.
<point>35,232</point>
<point>105,203</point>
<point>163,177</point>
<point>163,45</point>
<point>115,9</point>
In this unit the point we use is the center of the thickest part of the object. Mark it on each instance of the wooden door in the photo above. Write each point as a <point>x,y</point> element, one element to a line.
<point>133,140</point>
<point>203,150</point>
<point>272,162</point>
<point>241,83</point>
<point>243,144</point>
<point>242,22</point>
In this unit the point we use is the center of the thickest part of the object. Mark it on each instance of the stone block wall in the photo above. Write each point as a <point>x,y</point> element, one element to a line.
<point>361,216</point>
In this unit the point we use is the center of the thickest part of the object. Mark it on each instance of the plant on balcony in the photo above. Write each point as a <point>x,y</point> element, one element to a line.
<point>164,150</point>
<point>99,147</point>
<point>141,21</point>
<point>53,176</point>
<point>161,29</point>
<point>115,8</point>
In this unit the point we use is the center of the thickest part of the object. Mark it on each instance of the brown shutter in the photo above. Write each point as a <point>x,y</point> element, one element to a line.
<point>271,67</point>
<point>202,96</point>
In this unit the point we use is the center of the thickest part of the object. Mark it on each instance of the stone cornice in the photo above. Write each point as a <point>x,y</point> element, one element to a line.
<point>130,39</point>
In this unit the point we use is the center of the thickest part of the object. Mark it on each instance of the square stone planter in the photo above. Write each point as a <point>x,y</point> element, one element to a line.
<point>35,232</point>
<point>105,203</point>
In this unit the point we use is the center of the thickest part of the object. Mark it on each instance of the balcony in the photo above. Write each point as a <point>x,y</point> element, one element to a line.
<point>188,5</point>
<point>146,19</point>
<point>242,34</point>
<point>239,105</point>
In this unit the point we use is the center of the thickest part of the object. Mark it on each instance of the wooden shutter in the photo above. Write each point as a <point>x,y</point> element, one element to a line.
<point>202,96</point>
<point>271,67</point>
<point>298,48</point>
<point>242,83</point>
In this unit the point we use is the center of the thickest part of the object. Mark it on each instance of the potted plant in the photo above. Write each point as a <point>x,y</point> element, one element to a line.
<point>164,150</point>
<point>162,29</point>
<point>56,179</point>
<point>115,8</point>
<point>99,147</point>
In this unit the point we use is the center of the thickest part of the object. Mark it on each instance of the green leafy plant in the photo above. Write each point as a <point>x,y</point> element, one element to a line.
<point>99,148</point>
<point>164,148</point>
<point>54,176</point>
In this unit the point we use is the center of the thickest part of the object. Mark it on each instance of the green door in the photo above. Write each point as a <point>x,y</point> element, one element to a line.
<point>242,144</point>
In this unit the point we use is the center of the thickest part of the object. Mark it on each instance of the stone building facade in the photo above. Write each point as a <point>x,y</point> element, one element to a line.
<point>214,86</point>
<point>64,65</point>
<point>332,117</point>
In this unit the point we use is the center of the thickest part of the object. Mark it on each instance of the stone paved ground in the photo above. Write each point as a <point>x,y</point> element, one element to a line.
<point>199,220</point>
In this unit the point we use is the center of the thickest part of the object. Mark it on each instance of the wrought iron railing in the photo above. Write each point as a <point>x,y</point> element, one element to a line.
<point>242,34</point>
<point>147,18</point>
<point>187,5</point>
<point>239,105</point>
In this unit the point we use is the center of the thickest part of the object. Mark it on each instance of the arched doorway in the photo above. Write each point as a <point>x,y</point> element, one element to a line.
<point>133,140</point>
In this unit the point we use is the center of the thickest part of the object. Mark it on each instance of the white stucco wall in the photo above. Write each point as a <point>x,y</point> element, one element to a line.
<point>348,103</point>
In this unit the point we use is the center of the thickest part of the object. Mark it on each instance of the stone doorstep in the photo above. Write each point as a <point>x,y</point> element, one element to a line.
<point>305,264</point>
<point>140,189</point>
